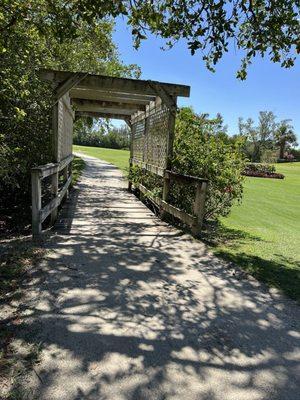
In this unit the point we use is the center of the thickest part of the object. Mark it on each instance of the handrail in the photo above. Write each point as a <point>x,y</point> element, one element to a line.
<point>39,214</point>
<point>52,168</point>
<point>184,178</point>
<point>194,220</point>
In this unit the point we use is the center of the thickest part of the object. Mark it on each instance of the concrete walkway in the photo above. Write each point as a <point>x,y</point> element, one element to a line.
<point>126,307</point>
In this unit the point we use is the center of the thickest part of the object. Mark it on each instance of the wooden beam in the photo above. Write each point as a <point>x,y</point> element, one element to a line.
<point>163,93</point>
<point>63,87</point>
<point>89,94</point>
<point>96,104</point>
<point>124,85</point>
<point>108,110</point>
<point>101,115</point>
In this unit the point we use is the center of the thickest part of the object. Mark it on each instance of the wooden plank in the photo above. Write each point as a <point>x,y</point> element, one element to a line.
<point>54,203</point>
<point>89,94</point>
<point>184,178</point>
<point>96,114</point>
<point>199,207</point>
<point>168,99</point>
<point>176,212</point>
<point>149,167</point>
<point>125,85</point>
<point>107,110</point>
<point>36,201</point>
<point>63,87</point>
<point>52,168</point>
<point>66,161</point>
<point>92,105</point>
<point>180,214</point>
<point>54,191</point>
<point>46,170</point>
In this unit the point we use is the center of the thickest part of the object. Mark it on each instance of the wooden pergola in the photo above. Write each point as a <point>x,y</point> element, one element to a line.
<point>148,107</point>
<point>131,100</point>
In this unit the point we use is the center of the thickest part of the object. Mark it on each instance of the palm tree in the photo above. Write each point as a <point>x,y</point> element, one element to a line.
<point>285,135</point>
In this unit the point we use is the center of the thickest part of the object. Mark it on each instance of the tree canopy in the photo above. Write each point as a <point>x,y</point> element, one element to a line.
<point>35,35</point>
<point>269,28</point>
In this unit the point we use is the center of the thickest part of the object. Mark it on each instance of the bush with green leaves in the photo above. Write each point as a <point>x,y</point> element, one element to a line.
<point>33,38</point>
<point>201,151</point>
<point>259,167</point>
<point>202,148</point>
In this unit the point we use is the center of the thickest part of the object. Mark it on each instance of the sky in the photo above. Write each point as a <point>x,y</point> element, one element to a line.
<point>268,86</point>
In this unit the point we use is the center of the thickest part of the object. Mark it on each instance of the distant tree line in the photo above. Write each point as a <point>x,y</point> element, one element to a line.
<point>103,134</point>
<point>269,140</point>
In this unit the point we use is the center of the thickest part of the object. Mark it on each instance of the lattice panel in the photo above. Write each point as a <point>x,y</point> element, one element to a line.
<point>138,140</point>
<point>65,127</point>
<point>150,138</point>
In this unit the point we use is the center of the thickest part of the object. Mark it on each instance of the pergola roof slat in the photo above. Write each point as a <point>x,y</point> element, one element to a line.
<point>98,114</point>
<point>89,94</point>
<point>93,105</point>
<point>125,85</point>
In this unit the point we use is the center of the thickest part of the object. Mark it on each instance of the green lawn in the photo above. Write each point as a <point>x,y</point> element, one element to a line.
<point>119,158</point>
<point>262,235</point>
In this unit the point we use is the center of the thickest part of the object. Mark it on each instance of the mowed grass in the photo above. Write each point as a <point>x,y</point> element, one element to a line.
<point>120,158</point>
<point>262,234</point>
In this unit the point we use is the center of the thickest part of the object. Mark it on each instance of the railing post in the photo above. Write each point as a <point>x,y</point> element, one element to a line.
<point>36,198</point>
<point>199,207</point>
<point>66,176</point>
<point>70,166</point>
<point>54,191</point>
<point>166,186</point>
<point>165,193</point>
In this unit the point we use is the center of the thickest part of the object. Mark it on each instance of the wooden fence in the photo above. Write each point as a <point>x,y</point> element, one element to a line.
<point>193,221</point>
<point>39,213</point>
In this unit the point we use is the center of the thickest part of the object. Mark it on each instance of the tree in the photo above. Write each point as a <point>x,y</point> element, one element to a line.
<point>265,28</point>
<point>284,136</point>
<point>36,35</point>
<point>258,138</point>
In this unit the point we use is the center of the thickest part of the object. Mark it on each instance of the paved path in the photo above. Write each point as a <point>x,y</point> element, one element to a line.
<point>127,307</point>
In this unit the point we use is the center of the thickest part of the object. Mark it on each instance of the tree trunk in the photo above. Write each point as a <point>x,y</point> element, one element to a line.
<point>281,150</point>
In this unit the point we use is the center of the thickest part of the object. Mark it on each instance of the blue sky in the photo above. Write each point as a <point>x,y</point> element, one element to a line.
<point>268,86</point>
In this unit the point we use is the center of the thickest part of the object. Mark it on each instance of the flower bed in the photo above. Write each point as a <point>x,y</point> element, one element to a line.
<point>262,171</point>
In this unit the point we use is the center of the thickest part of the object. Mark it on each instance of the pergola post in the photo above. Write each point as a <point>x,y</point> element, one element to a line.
<point>170,141</point>
<point>131,156</point>
<point>54,178</point>
<point>36,198</point>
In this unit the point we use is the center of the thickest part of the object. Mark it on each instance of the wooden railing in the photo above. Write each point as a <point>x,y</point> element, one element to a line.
<point>39,213</point>
<point>195,220</point>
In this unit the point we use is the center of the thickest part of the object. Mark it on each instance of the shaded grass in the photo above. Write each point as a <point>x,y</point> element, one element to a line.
<point>240,248</point>
<point>120,158</point>
<point>16,256</point>
<point>77,168</point>
<point>262,235</point>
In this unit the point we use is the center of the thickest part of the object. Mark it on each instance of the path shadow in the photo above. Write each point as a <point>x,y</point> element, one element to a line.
<point>131,309</point>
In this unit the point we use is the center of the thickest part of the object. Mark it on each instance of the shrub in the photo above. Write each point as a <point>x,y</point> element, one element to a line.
<point>261,171</point>
<point>256,167</point>
<point>200,150</point>
<point>295,153</point>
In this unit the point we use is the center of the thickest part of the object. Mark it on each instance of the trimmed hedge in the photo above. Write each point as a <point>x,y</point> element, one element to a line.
<point>262,171</point>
